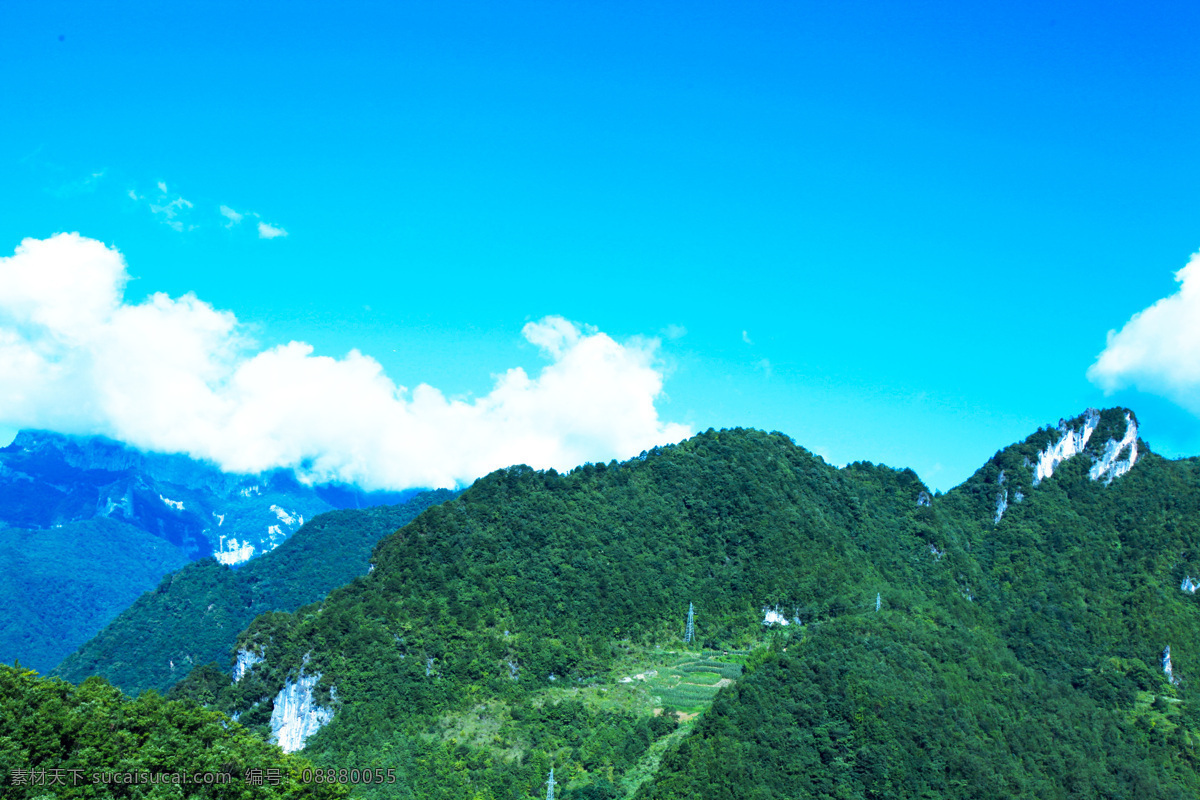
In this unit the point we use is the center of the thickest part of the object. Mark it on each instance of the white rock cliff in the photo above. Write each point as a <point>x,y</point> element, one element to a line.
<point>1169,670</point>
<point>1070,443</point>
<point>245,660</point>
<point>296,717</point>
<point>1110,465</point>
<point>1116,460</point>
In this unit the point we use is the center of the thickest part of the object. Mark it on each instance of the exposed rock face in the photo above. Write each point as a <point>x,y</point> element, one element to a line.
<point>231,552</point>
<point>1001,500</point>
<point>1116,459</point>
<point>1189,585</point>
<point>923,499</point>
<point>1001,506</point>
<point>773,616</point>
<point>245,660</point>
<point>295,716</point>
<point>1110,464</point>
<point>1168,670</point>
<point>1070,443</point>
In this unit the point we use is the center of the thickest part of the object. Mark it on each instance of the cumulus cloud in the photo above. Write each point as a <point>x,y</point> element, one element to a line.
<point>177,375</point>
<point>232,217</point>
<point>1158,349</point>
<point>268,231</point>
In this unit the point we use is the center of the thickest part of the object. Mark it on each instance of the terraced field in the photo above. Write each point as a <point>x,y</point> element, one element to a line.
<point>690,685</point>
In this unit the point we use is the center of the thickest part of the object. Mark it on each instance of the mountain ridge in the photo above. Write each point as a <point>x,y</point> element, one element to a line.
<point>87,502</point>
<point>855,636</point>
<point>47,479</point>
<point>194,614</point>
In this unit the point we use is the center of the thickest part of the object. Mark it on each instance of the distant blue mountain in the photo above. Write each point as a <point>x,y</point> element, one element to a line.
<point>194,614</point>
<point>48,480</point>
<point>87,524</point>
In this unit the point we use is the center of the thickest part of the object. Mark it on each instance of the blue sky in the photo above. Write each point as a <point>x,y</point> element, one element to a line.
<point>896,232</point>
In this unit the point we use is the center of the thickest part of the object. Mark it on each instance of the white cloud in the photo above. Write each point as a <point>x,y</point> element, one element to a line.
<point>268,231</point>
<point>170,211</point>
<point>232,216</point>
<point>746,338</point>
<point>265,229</point>
<point>554,335</point>
<point>1158,349</point>
<point>176,375</point>
<point>173,210</point>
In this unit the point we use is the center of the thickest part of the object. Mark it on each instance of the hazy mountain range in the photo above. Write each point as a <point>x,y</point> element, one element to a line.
<point>88,524</point>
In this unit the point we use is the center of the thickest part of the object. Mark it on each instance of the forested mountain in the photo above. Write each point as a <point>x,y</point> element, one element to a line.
<point>194,615</point>
<point>1072,677</point>
<point>62,741</point>
<point>88,524</point>
<point>48,479</point>
<point>59,586</point>
<point>851,636</point>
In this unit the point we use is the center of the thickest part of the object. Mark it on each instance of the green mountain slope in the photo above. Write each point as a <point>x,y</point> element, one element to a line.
<point>59,741</point>
<point>195,614</point>
<point>1060,693</point>
<point>535,593</point>
<point>893,706</point>
<point>1003,640</point>
<point>59,585</point>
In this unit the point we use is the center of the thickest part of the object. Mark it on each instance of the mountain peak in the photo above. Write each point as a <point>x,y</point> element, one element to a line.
<point>1107,437</point>
<point>1112,459</point>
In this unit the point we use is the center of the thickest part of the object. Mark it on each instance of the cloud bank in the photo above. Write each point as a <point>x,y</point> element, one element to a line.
<point>1158,349</point>
<point>177,375</point>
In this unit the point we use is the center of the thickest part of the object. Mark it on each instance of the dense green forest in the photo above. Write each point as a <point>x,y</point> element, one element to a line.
<point>1054,688</point>
<point>195,614</point>
<point>1004,640</point>
<point>60,585</point>
<point>62,741</point>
